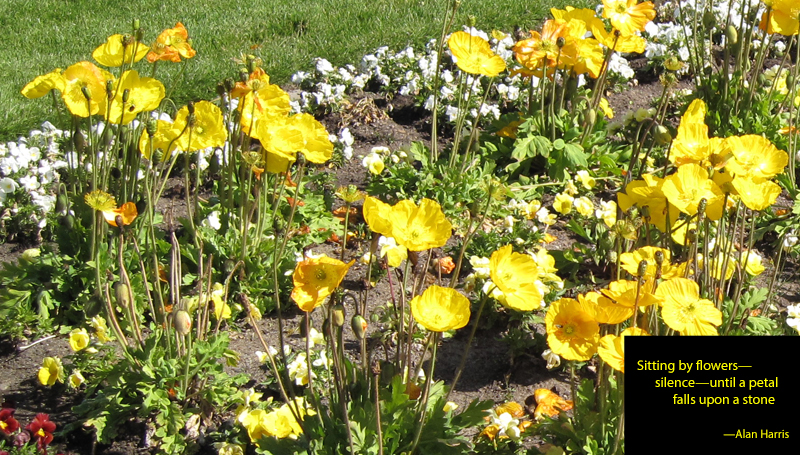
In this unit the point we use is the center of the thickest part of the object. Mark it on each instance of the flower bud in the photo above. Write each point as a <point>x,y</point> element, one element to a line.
<point>115,173</point>
<point>731,35</point>
<point>709,20</point>
<point>62,204</point>
<point>157,156</point>
<point>560,42</point>
<point>701,207</point>
<point>590,115</point>
<point>86,93</point>
<point>136,24</point>
<point>141,205</point>
<point>640,272</point>
<point>182,322</point>
<point>79,141</point>
<point>338,315</point>
<point>190,107</point>
<point>126,95</point>
<point>122,293</point>
<point>68,221</point>
<point>659,257</point>
<point>662,135</point>
<point>109,89</point>
<point>139,34</point>
<point>359,325</point>
<point>31,254</point>
<point>228,84</point>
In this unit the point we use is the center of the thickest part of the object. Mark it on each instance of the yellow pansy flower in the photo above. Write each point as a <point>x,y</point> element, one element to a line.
<point>78,340</point>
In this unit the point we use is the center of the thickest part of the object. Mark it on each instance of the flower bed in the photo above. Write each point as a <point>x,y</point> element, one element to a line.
<point>533,214</point>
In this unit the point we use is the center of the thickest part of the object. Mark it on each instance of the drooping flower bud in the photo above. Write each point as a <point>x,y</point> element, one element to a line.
<point>338,315</point>
<point>359,325</point>
<point>182,322</point>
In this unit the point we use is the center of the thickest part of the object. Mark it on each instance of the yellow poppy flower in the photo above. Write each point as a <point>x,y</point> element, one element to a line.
<point>716,264</point>
<point>42,85</point>
<point>106,204</point>
<point>85,76</point>
<point>143,94</point>
<point>474,55</point>
<point>756,194</point>
<point>572,331</point>
<point>78,340</point>
<point>277,163</point>
<point>612,349</point>
<point>606,311</point>
<point>257,80</point>
<point>440,309</point>
<point>624,292</point>
<point>647,193</point>
<point>317,146</point>
<point>51,371</point>
<point>395,254</point>
<point>171,45</point>
<point>419,228</point>
<point>630,262</point>
<point>515,275</point>
<point>207,130</point>
<point>622,43</point>
<point>684,311</point>
<point>782,18</point>
<point>627,16</point>
<point>542,48</point>
<point>315,279</point>
<point>696,112</point>
<point>687,187</point>
<point>585,19</point>
<point>376,214</point>
<point>755,157</point>
<point>114,52</point>
<point>165,138</point>
<point>691,144</point>
<point>268,104</point>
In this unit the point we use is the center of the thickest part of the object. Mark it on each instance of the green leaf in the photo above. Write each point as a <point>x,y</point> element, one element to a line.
<point>575,155</point>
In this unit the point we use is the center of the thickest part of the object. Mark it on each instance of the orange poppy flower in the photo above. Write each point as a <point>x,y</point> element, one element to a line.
<point>548,403</point>
<point>171,45</point>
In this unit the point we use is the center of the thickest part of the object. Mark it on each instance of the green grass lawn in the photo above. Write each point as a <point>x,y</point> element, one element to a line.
<point>287,34</point>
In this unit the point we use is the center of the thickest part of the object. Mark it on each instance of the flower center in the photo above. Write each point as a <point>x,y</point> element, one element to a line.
<point>569,329</point>
<point>320,275</point>
<point>41,433</point>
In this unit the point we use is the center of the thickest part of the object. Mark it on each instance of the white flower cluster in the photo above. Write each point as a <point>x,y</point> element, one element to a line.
<point>30,164</point>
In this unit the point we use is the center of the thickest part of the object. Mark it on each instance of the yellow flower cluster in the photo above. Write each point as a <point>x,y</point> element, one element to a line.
<point>280,423</point>
<point>564,41</point>
<point>264,109</point>
<point>709,169</point>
